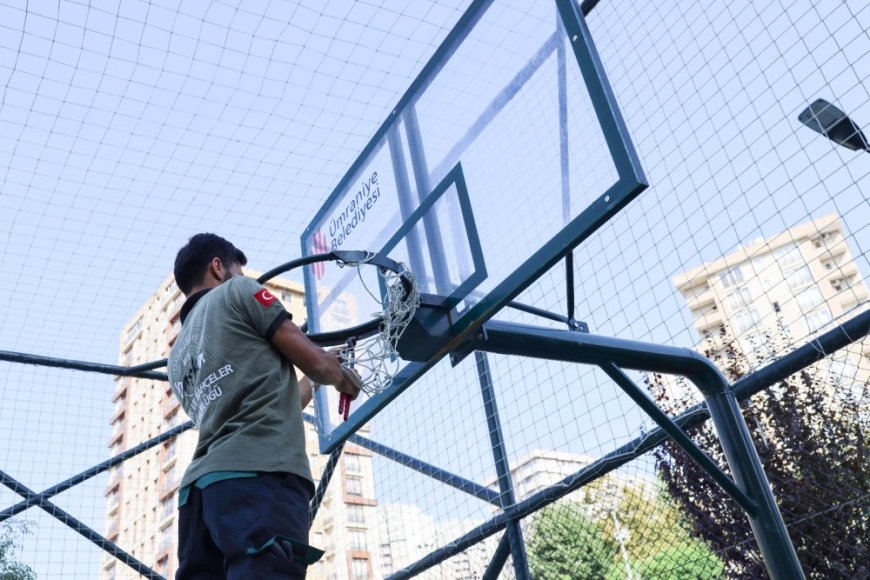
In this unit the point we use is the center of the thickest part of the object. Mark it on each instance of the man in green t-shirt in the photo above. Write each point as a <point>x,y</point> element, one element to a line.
<point>243,503</point>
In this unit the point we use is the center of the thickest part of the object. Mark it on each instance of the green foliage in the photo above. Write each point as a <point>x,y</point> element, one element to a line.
<point>565,544</point>
<point>578,538</point>
<point>687,562</point>
<point>10,569</point>
<point>815,455</point>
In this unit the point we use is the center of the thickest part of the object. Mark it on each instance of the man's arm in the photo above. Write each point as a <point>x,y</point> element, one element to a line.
<point>306,391</point>
<point>318,365</point>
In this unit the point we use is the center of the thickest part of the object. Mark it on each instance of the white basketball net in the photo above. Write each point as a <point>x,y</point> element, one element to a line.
<point>375,357</point>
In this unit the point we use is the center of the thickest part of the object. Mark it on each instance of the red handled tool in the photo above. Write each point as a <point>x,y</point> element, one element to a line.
<point>344,400</point>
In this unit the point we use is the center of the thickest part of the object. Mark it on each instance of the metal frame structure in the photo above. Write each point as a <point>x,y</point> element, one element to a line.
<point>749,489</point>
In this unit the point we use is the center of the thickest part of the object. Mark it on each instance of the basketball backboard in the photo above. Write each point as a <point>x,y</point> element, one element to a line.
<point>506,152</point>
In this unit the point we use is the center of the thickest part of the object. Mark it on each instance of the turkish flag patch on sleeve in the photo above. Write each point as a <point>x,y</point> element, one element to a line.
<point>265,297</point>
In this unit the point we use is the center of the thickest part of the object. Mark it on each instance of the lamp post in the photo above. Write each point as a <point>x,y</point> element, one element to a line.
<point>825,118</point>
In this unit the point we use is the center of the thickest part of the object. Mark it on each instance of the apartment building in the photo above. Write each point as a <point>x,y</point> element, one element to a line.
<point>408,534</point>
<point>777,292</point>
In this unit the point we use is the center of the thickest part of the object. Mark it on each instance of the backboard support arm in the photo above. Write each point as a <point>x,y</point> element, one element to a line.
<point>750,487</point>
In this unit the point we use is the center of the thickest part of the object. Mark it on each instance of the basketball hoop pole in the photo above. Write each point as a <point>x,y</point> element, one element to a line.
<point>749,488</point>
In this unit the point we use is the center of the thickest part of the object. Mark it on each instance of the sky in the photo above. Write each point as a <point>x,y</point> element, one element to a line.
<point>127,127</point>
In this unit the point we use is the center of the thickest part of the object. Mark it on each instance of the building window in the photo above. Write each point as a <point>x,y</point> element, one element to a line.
<point>787,256</point>
<point>356,514</point>
<point>818,318</point>
<point>352,463</point>
<point>354,486</point>
<point>731,277</point>
<point>739,298</point>
<point>167,508</point>
<point>170,478</point>
<point>170,450</point>
<point>799,278</point>
<point>358,541</point>
<point>810,298</point>
<point>745,320</point>
<point>359,568</point>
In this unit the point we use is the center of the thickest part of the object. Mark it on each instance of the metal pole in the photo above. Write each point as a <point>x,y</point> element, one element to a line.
<point>37,498</point>
<point>496,564</point>
<point>679,437</point>
<point>80,527</point>
<point>456,481</point>
<point>328,470</point>
<point>141,371</point>
<point>502,467</point>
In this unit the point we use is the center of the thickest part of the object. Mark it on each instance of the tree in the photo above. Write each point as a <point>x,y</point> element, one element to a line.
<point>814,454</point>
<point>565,544</point>
<point>685,562</point>
<point>10,569</point>
<point>613,529</point>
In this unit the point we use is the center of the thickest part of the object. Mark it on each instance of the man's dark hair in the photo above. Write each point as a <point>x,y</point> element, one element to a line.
<point>192,260</point>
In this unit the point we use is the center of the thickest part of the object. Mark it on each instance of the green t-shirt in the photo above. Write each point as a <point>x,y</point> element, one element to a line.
<point>241,394</point>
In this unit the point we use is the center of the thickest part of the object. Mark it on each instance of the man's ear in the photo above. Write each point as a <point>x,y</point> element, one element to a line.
<point>216,268</point>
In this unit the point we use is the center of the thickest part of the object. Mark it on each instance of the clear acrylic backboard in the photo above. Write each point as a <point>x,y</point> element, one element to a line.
<point>505,153</point>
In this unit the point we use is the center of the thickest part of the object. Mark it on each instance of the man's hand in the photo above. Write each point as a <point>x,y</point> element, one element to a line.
<point>351,383</point>
<point>349,391</point>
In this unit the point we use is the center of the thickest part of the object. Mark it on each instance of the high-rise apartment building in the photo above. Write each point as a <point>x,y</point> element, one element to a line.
<point>778,291</point>
<point>408,534</point>
<point>141,497</point>
<point>540,469</point>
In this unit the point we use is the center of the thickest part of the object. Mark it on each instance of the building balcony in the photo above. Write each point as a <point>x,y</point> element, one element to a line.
<point>701,301</point>
<point>852,296</point>
<point>115,477</point>
<point>710,322</point>
<point>121,389</point>
<point>359,500</point>
<point>352,449</point>
<point>846,270</point>
<point>117,436</point>
<point>120,409</point>
<point>169,461</point>
<point>113,531</point>
<point>167,488</point>
<point>165,548</point>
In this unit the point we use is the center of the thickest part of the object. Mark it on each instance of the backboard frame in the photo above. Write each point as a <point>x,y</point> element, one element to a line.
<point>630,182</point>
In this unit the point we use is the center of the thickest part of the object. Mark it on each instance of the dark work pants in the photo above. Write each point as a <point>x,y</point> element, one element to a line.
<point>223,528</point>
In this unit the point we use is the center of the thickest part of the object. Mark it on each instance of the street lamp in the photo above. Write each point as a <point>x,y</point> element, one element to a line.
<point>823,117</point>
